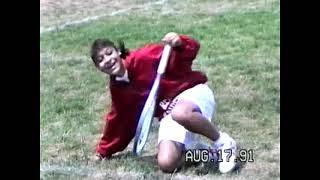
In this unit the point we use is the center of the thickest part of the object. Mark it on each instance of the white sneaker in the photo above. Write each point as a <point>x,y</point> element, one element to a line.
<point>226,148</point>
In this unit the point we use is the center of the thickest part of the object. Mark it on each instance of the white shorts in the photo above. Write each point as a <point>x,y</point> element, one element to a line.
<point>169,129</point>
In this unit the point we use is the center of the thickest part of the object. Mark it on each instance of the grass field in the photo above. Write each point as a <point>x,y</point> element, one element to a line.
<point>240,53</point>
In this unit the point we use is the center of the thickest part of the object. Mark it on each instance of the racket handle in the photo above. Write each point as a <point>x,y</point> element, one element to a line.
<point>164,59</point>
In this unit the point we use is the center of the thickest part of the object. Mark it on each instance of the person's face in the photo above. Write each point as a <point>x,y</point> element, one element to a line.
<point>109,61</point>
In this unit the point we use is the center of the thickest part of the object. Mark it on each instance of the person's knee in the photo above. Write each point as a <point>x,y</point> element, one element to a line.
<point>182,112</point>
<point>166,164</point>
<point>169,156</point>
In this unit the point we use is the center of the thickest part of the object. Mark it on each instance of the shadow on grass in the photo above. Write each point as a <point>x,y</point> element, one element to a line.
<point>239,167</point>
<point>152,159</point>
<point>196,168</point>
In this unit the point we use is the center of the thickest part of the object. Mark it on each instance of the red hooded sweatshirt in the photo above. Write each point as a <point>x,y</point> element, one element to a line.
<point>128,98</point>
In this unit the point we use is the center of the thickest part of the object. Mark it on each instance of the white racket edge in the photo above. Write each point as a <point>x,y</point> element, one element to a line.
<point>146,117</point>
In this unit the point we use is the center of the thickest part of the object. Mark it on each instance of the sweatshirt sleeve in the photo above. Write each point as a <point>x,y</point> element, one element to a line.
<point>182,57</point>
<point>189,48</point>
<point>117,133</point>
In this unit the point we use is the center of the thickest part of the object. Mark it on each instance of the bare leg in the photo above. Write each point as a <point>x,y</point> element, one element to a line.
<point>188,115</point>
<point>170,156</point>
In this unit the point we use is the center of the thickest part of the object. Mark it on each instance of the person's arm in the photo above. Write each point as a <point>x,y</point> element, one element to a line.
<point>184,51</point>
<point>117,133</point>
<point>186,48</point>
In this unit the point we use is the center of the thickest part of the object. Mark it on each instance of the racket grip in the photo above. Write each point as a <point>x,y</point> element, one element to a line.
<point>164,59</point>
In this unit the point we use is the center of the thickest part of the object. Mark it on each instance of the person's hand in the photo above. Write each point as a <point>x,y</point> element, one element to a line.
<point>172,39</point>
<point>97,158</point>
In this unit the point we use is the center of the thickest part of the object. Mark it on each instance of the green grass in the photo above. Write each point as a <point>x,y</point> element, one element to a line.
<point>239,53</point>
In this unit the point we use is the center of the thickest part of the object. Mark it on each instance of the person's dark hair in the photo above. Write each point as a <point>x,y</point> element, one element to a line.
<point>99,44</point>
<point>124,51</point>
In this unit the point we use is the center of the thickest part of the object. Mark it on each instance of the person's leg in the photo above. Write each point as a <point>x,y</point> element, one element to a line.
<point>193,111</point>
<point>171,144</point>
<point>170,155</point>
<point>188,114</point>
